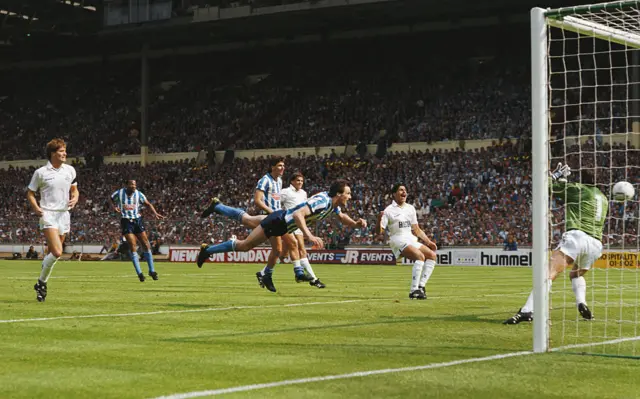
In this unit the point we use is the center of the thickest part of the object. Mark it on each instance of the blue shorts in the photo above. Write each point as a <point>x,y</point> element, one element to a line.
<point>132,226</point>
<point>274,225</point>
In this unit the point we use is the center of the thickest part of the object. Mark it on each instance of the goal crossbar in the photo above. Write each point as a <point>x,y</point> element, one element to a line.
<point>599,31</point>
<point>612,5</point>
<point>573,19</point>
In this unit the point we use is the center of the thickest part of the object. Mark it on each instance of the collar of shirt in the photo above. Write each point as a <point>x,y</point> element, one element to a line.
<point>50,166</point>
<point>293,188</point>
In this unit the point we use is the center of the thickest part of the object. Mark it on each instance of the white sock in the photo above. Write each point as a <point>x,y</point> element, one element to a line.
<point>429,265</point>
<point>416,273</point>
<point>47,266</point>
<point>579,286</point>
<point>307,266</point>
<point>528,306</point>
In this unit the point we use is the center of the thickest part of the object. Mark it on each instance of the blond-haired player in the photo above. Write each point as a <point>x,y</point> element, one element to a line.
<point>58,187</point>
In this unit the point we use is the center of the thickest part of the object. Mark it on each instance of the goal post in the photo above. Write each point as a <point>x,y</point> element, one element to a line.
<point>540,190</point>
<point>585,109</point>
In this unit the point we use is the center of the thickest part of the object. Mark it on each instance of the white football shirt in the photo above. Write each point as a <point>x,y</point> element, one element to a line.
<point>290,197</point>
<point>397,220</point>
<point>54,185</point>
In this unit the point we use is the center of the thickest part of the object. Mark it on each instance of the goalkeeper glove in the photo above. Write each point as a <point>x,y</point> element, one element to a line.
<point>561,172</point>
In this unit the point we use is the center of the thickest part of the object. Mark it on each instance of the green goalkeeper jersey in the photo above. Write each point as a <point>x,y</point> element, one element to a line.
<point>585,207</point>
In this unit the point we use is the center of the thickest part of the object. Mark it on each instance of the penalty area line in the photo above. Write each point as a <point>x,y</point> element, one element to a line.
<point>253,387</point>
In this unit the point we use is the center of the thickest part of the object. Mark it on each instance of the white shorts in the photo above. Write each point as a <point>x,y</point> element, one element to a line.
<point>399,243</point>
<point>580,247</point>
<point>297,232</point>
<point>56,220</point>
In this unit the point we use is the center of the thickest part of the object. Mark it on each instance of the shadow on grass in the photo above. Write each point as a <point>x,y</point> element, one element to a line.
<point>389,321</point>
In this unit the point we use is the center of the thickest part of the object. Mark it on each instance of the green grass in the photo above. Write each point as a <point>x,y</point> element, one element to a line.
<point>215,328</point>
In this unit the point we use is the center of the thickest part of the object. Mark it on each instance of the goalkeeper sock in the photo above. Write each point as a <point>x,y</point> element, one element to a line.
<point>416,274</point>
<point>528,306</point>
<point>579,286</point>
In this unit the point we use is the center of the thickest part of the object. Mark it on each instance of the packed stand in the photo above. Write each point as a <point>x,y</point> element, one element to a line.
<point>298,96</point>
<point>468,198</point>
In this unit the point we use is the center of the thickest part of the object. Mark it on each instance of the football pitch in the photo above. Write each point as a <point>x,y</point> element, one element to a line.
<point>213,332</point>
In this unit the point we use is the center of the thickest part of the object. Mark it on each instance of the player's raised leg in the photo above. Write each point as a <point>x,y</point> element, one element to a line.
<point>254,239</point>
<point>216,206</point>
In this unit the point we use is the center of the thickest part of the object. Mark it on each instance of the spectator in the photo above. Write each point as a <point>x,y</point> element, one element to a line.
<point>32,253</point>
<point>510,244</point>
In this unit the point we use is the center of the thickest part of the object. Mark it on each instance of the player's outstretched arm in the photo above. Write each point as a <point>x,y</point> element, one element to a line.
<point>345,219</point>
<point>298,217</point>
<point>153,210</point>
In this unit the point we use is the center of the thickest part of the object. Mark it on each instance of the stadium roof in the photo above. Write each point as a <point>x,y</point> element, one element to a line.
<point>44,29</point>
<point>51,16</point>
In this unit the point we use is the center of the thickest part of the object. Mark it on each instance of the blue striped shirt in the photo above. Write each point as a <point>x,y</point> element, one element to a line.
<point>129,205</point>
<point>271,188</point>
<point>321,207</point>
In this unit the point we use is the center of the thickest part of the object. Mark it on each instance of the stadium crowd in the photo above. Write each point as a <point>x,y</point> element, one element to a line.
<point>337,94</point>
<point>474,197</point>
<point>313,95</point>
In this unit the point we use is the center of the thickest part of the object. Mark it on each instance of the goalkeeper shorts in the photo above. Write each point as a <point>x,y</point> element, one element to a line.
<point>581,247</point>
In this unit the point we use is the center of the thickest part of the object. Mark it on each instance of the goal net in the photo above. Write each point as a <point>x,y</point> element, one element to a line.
<point>586,113</point>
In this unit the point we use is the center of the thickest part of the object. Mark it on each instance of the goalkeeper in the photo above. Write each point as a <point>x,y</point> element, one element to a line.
<point>581,244</point>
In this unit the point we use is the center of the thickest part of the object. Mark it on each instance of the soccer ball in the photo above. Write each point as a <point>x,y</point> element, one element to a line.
<point>623,191</point>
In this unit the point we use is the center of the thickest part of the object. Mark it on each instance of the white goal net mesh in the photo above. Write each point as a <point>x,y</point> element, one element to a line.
<point>594,125</point>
